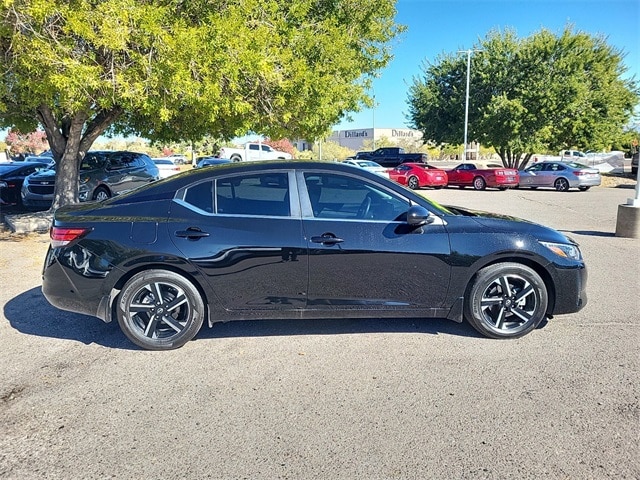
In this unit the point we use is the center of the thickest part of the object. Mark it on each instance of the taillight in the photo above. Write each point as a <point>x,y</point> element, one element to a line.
<point>61,236</point>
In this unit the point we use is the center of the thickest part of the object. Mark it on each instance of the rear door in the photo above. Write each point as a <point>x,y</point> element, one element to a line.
<point>362,253</point>
<point>244,234</point>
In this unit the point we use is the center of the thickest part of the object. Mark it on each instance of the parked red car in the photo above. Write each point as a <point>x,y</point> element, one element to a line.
<point>481,176</point>
<point>416,175</point>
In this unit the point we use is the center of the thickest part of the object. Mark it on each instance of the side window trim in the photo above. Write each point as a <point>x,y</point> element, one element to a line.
<point>294,203</point>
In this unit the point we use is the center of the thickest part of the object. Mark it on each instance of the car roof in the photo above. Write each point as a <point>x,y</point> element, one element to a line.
<point>166,188</point>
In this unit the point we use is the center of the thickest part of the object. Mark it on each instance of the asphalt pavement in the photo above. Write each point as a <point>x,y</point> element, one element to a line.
<point>334,399</point>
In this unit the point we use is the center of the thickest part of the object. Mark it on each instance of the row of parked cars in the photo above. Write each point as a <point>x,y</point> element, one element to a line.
<point>104,174</point>
<point>560,175</point>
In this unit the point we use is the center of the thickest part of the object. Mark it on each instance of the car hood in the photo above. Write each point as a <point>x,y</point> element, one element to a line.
<point>515,225</point>
<point>48,174</point>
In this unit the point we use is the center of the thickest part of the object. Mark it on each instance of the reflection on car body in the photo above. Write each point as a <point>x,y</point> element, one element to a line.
<point>296,239</point>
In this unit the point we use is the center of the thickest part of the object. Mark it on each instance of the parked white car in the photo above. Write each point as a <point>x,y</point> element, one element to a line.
<point>369,165</point>
<point>253,151</point>
<point>166,167</point>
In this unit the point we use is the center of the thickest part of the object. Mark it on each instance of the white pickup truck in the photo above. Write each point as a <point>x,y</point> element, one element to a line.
<point>253,151</point>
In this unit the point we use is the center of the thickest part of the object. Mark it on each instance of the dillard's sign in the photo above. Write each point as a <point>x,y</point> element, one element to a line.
<point>401,133</point>
<point>355,134</point>
<point>365,133</point>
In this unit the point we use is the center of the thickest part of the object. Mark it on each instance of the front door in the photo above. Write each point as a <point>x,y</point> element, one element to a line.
<point>362,253</point>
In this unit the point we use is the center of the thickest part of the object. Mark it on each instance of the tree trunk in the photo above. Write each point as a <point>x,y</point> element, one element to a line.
<point>70,138</point>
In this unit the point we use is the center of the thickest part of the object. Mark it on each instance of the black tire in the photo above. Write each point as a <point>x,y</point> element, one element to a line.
<point>497,313</point>
<point>413,183</point>
<point>236,158</point>
<point>100,194</point>
<point>584,189</point>
<point>561,185</point>
<point>479,183</point>
<point>162,324</point>
<point>502,189</point>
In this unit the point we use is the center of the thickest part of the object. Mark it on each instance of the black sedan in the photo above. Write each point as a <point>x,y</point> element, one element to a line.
<point>301,239</point>
<point>12,176</point>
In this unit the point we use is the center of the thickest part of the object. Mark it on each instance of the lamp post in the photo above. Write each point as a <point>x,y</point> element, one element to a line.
<point>373,114</point>
<point>466,102</point>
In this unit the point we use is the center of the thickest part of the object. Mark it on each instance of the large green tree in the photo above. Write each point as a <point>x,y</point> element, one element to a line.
<point>538,94</point>
<point>177,70</point>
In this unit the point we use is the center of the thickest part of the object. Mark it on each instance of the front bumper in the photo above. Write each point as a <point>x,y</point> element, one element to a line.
<point>570,289</point>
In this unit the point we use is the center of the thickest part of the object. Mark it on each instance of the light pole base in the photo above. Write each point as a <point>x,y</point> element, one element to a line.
<point>628,221</point>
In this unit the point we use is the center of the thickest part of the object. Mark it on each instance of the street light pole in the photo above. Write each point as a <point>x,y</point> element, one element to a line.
<point>466,102</point>
<point>373,113</point>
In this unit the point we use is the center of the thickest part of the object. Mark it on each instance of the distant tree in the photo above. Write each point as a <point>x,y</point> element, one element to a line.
<point>179,70</point>
<point>330,151</point>
<point>26,143</point>
<point>538,94</point>
<point>283,145</point>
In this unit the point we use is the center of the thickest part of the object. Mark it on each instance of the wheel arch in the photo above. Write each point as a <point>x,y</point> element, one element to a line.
<point>527,261</point>
<point>119,285</point>
<point>101,186</point>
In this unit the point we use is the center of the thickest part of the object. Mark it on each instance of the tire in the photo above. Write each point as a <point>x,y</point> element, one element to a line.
<point>561,185</point>
<point>236,158</point>
<point>101,194</point>
<point>496,313</point>
<point>479,183</point>
<point>413,183</point>
<point>584,189</point>
<point>502,189</point>
<point>145,321</point>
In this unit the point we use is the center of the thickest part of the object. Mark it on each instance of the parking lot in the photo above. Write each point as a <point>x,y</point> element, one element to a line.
<point>334,399</point>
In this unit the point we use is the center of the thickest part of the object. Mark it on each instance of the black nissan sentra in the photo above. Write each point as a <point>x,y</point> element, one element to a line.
<point>295,239</point>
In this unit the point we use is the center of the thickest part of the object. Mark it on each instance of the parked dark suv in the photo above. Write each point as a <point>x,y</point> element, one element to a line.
<point>102,175</point>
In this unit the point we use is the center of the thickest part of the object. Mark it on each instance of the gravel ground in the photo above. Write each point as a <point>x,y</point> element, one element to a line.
<point>349,399</point>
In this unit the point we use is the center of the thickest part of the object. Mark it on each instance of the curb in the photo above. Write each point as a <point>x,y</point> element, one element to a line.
<point>38,222</point>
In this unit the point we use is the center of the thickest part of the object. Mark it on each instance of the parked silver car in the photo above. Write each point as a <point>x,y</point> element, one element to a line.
<point>560,175</point>
<point>102,175</point>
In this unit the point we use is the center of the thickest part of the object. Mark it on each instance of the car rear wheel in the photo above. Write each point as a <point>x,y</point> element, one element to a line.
<point>506,300</point>
<point>413,182</point>
<point>584,189</point>
<point>236,158</point>
<point>479,183</point>
<point>561,184</point>
<point>101,194</point>
<point>160,310</point>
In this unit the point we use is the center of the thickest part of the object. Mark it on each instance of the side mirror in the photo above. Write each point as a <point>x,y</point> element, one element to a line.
<point>418,216</point>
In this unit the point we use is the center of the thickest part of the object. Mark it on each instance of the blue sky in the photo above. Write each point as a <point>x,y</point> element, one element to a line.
<point>446,26</point>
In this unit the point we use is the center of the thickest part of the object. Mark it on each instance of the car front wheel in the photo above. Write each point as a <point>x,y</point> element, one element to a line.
<point>101,194</point>
<point>160,310</point>
<point>506,300</point>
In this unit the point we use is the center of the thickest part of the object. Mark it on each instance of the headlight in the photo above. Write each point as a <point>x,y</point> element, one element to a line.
<point>564,250</point>
<point>3,185</point>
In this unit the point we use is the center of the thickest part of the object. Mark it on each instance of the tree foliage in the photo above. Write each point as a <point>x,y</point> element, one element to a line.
<point>539,94</point>
<point>170,70</point>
